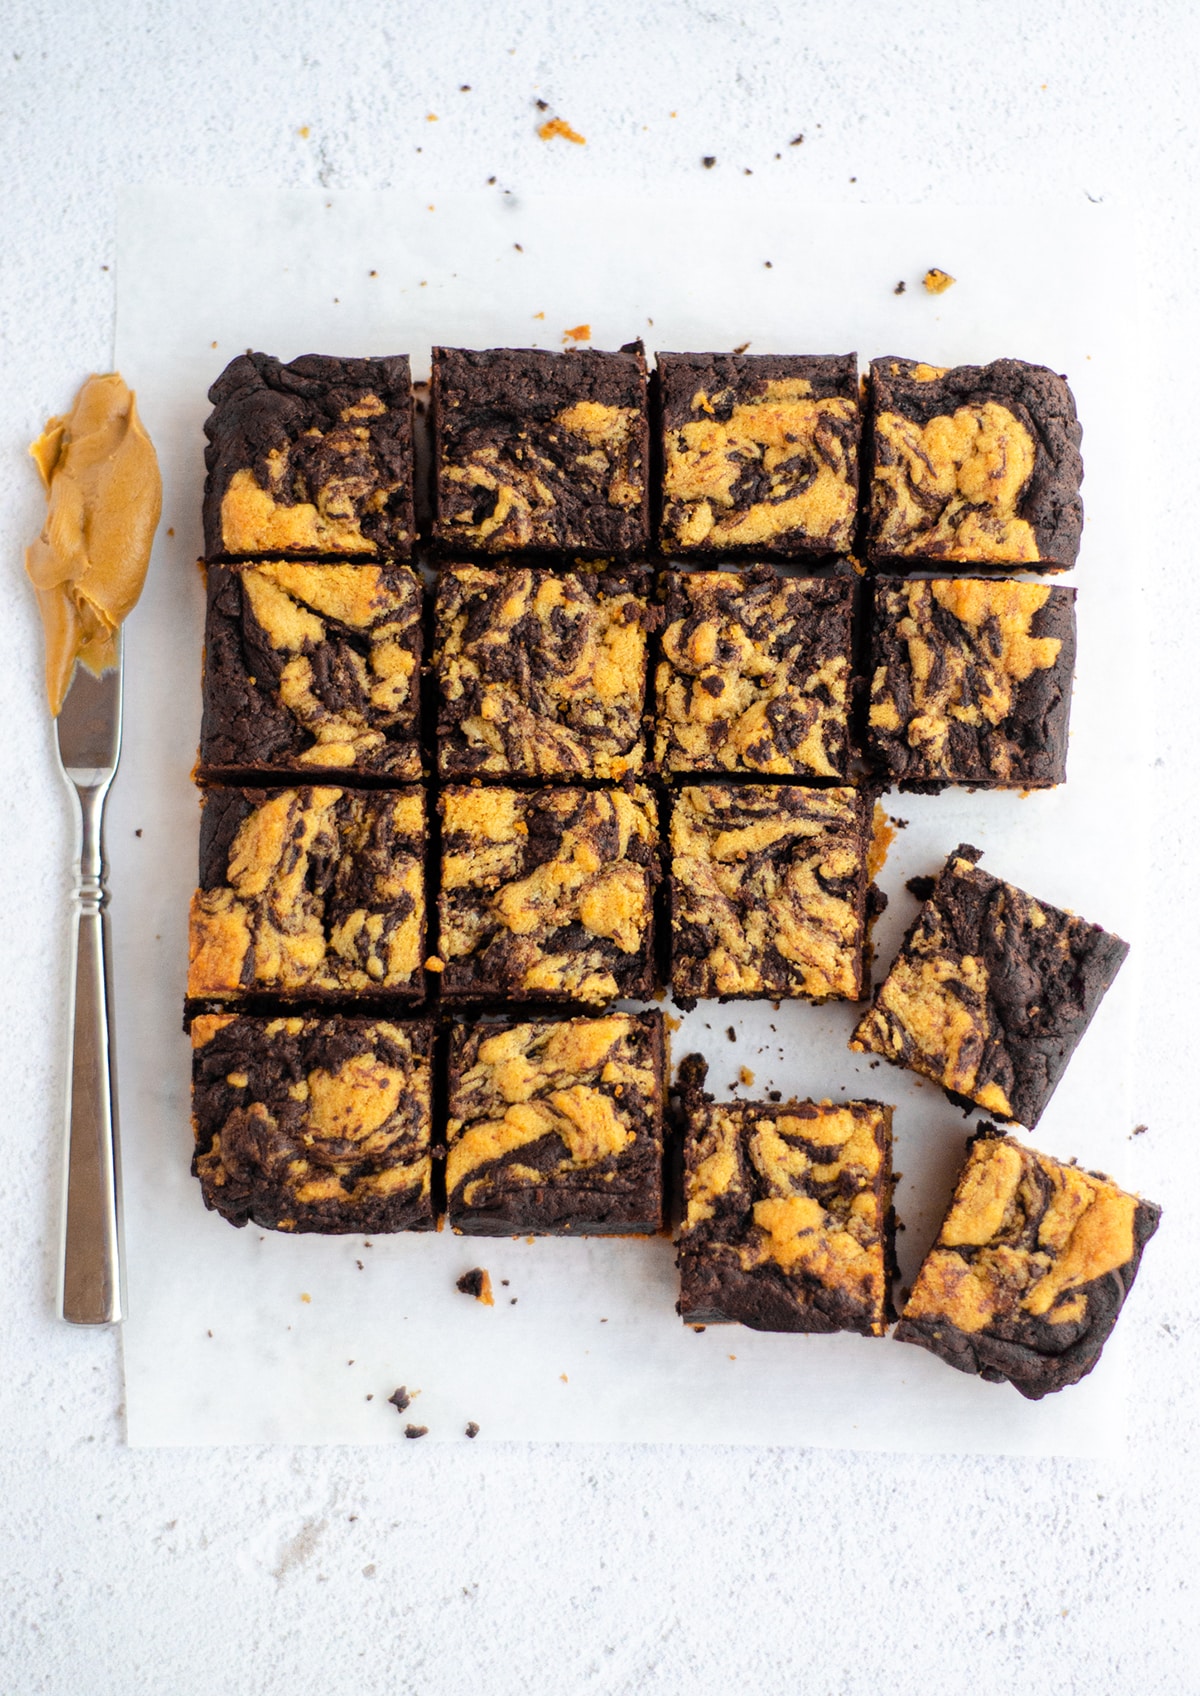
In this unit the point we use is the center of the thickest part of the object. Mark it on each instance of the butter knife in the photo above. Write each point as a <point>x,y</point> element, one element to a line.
<point>89,744</point>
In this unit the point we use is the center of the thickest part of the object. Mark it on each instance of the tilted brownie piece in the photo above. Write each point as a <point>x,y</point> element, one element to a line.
<point>540,450</point>
<point>557,1126</point>
<point>311,669</point>
<point>760,452</point>
<point>314,457</point>
<point>755,674</point>
<point>770,892</point>
<point>309,892</point>
<point>541,674</point>
<point>979,463</point>
<point>1030,1269</point>
<point>313,1124</point>
<point>788,1223</point>
<point>990,992</point>
<point>547,894</point>
<point>971,682</point>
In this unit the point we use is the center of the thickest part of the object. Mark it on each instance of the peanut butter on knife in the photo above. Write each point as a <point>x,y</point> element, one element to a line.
<point>103,500</point>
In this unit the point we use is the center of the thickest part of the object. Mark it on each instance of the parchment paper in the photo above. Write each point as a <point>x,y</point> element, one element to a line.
<point>249,1337</point>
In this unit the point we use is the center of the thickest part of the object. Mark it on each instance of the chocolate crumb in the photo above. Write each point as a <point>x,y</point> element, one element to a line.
<point>731,1033</point>
<point>774,1095</point>
<point>1138,1131</point>
<point>477,1282</point>
<point>472,1429</point>
<point>137,833</point>
<point>900,288</point>
<point>795,141</point>
<point>400,1399</point>
<point>416,1430</point>
<point>541,105</point>
<point>921,887</point>
<point>708,161</point>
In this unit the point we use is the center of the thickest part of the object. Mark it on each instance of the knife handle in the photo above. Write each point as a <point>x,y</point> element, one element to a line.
<point>91,1258</point>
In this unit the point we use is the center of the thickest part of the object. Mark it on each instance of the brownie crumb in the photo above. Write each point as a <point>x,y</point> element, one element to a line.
<point>472,1429</point>
<point>795,141</point>
<point>477,1282</point>
<point>399,1399</point>
<point>900,288</point>
<point>411,1431</point>
<point>741,347</point>
<point>921,887</point>
<point>1140,1130</point>
<point>774,1095</point>
<point>731,1033</point>
<point>708,161</point>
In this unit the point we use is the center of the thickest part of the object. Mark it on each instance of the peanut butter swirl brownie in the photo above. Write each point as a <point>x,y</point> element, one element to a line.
<point>755,674</point>
<point>976,463</point>
<point>1030,1269</point>
<point>991,992</point>
<point>313,1124</point>
<point>789,1212</point>
<point>770,892</point>
<point>541,674</point>
<point>971,682</point>
<point>540,450</point>
<point>309,892</point>
<point>311,670</point>
<point>557,1126</point>
<point>314,457</point>
<point>760,453</point>
<point>547,894</point>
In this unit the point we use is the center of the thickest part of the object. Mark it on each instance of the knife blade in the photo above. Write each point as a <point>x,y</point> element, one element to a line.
<point>88,731</point>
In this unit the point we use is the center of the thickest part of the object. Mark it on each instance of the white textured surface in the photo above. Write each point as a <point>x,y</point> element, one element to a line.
<point>599,1569</point>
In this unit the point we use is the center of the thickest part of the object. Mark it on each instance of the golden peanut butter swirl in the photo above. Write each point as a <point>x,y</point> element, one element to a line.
<point>103,500</point>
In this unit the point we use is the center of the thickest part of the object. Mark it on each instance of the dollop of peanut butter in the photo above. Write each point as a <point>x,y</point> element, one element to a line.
<point>103,500</point>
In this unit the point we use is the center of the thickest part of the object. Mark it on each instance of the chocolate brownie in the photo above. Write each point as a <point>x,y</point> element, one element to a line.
<point>1030,1269</point>
<point>990,992</point>
<point>557,1127</point>
<point>770,892</point>
<point>540,450</point>
<point>977,463</point>
<point>971,682</point>
<point>311,670</point>
<point>309,892</point>
<point>541,674</point>
<point>760,453</point>
<point>547,894</point>
<point>314,457</point>
<point>789,1221</point>
<point>755,674</point>
<point>313,1124</point>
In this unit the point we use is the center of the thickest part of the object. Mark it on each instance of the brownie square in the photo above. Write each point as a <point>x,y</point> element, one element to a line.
<point>979,463</point>
<point>755,674</point>
<point>770,892</point>
<point>990,992</point>
<point>540,450</point>
<point>309,893</point>
<point>541,674</point>
<point>547,894</point>
<point>971,682</point>
<point>788,1223</point>
<point>307,1124</point>
<point>1030,1269</point>
<point>760,453</point>
<point>314,457</point>
<point>311,670</point>
<point>557,1127</point>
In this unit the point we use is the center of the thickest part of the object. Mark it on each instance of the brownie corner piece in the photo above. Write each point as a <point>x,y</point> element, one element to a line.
<point>313,1124</point>
<point>788,1223</point>
<point>541,451</point>
<point>755,674</point>
<point>973,464</point>
<point>547,894</point>
<point>309,458</point>
<point>555,1127</point>
<point>312,670</point>
<point>770,890</point>
<point>312,892</point>
<point>542,673</point>
<point>1030,1269</point>
<point>971,681</point>
<point>760,453</point>
<point>991,992</point>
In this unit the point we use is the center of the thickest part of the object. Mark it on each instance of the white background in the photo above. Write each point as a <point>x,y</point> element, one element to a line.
<point>608,1569</point>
